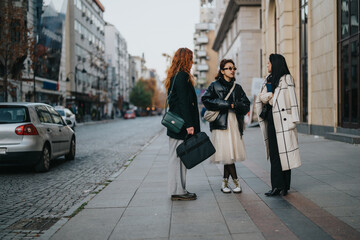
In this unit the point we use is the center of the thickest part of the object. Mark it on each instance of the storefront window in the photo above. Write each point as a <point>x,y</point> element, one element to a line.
<point>304,60</point>
<point>349,63</point>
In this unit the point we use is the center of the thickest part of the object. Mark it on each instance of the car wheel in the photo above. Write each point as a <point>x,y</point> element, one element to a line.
<point>71,154</point>
<point>44,163</point>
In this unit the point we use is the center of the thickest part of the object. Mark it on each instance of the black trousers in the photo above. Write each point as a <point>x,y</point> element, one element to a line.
<point>279,179</point>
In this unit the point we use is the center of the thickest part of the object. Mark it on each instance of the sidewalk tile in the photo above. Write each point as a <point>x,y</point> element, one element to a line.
<point>90,224</point>
<point>198,229</point>
<point>142,227</point>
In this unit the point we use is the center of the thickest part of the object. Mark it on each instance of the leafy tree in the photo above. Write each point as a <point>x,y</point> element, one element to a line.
<point>14,42</point>
<point>141,96</point>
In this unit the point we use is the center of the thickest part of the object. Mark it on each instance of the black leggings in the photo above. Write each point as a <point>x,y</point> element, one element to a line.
<point>229,169</point>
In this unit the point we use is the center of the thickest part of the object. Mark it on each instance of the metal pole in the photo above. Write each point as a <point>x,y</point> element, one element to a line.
<point>35,64</point>
<point>76,104</point>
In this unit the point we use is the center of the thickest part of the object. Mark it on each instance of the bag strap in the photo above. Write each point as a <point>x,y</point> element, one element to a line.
<point>231,90</point>
<point>168,98</point>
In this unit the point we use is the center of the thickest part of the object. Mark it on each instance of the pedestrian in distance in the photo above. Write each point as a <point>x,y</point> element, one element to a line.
<point>278,114</point>
<point>227,129</point>
<point>183,102</point>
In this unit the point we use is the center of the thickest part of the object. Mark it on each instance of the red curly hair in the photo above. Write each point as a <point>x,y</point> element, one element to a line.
<point>182,61</point>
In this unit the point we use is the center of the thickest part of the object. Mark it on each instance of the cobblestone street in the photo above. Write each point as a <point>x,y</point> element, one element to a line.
<point>32,202</point>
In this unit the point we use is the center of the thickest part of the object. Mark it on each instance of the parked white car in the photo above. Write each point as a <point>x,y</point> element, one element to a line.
<point>33,134</point>
<point>66,114</point>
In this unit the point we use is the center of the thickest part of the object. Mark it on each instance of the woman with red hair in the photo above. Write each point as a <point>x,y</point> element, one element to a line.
<point>183,101</point>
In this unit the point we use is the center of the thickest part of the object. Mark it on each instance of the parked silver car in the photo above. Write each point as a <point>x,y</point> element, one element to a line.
<point>33,134</point>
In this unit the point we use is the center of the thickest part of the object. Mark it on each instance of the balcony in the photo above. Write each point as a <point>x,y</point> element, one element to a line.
<point>201,53</point>
<point>202,67</point>
<point>204,26</point>
<point>202,40</point>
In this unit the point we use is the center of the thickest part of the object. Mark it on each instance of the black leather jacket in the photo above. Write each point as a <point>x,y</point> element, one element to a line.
<point>213,99</point>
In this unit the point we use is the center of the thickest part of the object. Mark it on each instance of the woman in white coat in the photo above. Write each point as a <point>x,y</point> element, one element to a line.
<point>278,114</point>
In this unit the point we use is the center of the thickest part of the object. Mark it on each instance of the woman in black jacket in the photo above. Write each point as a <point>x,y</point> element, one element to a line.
<point>227,129</point>
<point>182,101</point>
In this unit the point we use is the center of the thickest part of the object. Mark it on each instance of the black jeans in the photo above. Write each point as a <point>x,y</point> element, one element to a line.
<point>279,179</point>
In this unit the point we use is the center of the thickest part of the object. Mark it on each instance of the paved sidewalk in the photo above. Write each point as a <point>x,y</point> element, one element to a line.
<point>324,202</point>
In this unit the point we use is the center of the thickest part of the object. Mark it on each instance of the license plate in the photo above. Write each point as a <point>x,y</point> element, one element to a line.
<point>2,150</point>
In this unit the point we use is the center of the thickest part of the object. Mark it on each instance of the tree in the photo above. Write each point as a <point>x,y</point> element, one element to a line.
<point>14,42</point>
<point>150,85</point>
<point>140,96</point>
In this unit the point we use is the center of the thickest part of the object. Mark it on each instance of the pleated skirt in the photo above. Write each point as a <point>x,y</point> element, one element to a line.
<point>228,143</point>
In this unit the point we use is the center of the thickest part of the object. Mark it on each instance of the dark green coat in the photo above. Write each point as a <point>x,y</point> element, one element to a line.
<point>183,101</point>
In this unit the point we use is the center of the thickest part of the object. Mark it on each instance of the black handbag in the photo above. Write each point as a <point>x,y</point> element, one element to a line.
<point>195,149</point>
<point>265,111</point>
<point>171,120</point>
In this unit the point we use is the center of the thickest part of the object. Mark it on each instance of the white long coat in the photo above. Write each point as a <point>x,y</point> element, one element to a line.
<point>286,114</point>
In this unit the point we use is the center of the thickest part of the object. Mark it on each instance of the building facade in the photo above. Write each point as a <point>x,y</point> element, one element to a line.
<point>85,64</point>
<point>206,59</point>
<point>319,40</point>
<point>39,78</point>
<point>117,56</point>
<point>238,37</point>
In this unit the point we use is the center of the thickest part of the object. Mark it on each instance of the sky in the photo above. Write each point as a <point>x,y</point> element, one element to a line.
<point>154,27</point>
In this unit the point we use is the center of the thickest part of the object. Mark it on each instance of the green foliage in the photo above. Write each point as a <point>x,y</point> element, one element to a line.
<point>140,96</point>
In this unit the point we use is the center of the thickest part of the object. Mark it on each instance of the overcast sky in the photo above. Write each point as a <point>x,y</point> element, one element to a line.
<point>154,27</point>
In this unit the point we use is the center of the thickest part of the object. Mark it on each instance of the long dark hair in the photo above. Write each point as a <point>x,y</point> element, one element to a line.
<point>278,69</point>
<point>222,65</point>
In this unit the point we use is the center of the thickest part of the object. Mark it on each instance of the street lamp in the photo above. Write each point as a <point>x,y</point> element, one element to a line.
<point>75,79</point>
<point>76,70</point>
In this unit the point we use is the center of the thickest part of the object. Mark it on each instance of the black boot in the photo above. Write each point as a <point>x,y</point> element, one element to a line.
<point>273,192</point>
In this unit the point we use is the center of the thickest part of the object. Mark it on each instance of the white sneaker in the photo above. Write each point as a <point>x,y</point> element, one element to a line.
<point>237,188</point>
<point>224,186</point>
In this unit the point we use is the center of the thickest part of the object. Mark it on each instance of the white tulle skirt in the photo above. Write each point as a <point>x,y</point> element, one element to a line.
<point>228,143</point>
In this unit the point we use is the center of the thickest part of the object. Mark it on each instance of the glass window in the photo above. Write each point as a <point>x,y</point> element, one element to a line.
<point>13,114</point>
<point>43,114</point>
<point>349,62</point>
<point>304,60</point>
<point>354,80</point>
<point>56,116</point>
<point>344,18</point>
<point>354,16</point>
<point>61,112</point>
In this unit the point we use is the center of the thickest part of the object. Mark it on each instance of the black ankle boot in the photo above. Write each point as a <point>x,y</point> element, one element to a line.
<point>273,192</point>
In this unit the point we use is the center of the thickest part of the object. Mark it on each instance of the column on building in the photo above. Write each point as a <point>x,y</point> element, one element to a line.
<point>238,37</point>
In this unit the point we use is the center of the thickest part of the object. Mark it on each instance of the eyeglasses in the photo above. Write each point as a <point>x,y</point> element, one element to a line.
<point>230,68</point>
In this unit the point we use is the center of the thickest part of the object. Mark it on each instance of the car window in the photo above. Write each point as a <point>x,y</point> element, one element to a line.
<point>56,116</point>
<point>61,112</point>
<point>14,114</point>
<point>43,114</point>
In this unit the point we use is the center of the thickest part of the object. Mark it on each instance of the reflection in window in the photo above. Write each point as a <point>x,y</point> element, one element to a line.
<point>304,59</point>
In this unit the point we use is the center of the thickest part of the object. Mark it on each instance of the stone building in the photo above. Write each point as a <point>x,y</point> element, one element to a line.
<point>238,37</point>
<point>117,58</point>
<point>320,41</point>
<point>205,60</point>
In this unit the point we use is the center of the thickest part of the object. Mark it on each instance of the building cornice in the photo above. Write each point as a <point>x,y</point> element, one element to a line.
<point>228,18</point>
<point>99,5</point>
